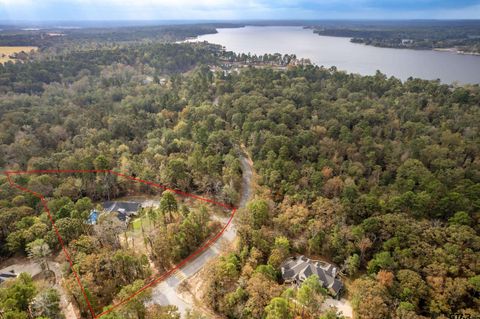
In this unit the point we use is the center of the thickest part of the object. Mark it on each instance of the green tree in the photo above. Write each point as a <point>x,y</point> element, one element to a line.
<point>17,295</point>
<point>47,304</point>
<point>177,175</point>
<point>460,218</point>
<point>39,251</point>
<point>352,264</point>
<point>278,309</point>
<point>382,260</point>
<point>101,163</point>
<point>168,204</point>
<point>267,270</point>
<point>280,252</point>
<point>135,308</point>
<point>411,287</point>
<point>259,211</point>
<point>311,294</point>
<point>475,282</point>
<point>83,206</point>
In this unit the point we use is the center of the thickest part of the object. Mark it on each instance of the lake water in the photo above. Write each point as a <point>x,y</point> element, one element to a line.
<point>351,57</point>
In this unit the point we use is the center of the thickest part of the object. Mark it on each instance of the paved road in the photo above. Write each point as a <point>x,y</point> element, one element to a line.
<point>165,293</point>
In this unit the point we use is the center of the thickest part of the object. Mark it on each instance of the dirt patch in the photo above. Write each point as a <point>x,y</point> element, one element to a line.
<point>192,291</point>
<point>343,306</point>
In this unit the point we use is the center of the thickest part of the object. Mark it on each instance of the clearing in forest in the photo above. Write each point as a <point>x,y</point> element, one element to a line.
<point>6,52</point>
<point>104,179</point>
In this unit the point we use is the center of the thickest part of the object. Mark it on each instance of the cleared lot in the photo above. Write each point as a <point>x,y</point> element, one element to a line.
<point>5,52</point>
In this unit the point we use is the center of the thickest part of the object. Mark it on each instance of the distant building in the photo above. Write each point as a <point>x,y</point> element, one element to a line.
<point>148,79</point>
<point>124,210</point>
<point>55,34</point>
<point>296,269</point>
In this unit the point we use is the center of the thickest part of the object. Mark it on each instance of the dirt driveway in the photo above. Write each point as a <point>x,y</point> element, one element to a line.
<point>342,305</point>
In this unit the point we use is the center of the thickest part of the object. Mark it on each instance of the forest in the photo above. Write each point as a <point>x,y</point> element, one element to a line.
<point>421,35</point>
<point>378,176</point>
<point>60,38</point>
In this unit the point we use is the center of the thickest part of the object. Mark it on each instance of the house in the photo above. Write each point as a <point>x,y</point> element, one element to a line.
<point>296,269</point>
<point>124,210</point>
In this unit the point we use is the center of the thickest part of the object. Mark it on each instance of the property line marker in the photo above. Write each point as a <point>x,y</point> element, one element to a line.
<point>153,281</point>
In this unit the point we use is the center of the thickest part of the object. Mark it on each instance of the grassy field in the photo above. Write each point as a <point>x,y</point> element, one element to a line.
<point>145,221</point>
<point>6,51</point>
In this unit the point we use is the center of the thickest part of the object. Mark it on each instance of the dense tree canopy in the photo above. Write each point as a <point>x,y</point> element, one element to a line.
<point>378,176</point>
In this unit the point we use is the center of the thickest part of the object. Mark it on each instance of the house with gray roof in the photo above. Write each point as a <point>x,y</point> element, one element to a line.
<point>124,210</point>
<point>296,269</point>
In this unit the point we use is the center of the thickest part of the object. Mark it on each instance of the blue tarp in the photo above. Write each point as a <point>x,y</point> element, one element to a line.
<point>92,219</point>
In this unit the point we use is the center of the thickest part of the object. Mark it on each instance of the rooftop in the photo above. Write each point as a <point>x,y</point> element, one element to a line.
<point>128,208</point>
<point>297,269</point>
<point>123,210</point>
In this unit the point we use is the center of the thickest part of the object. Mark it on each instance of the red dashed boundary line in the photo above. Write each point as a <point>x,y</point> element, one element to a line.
<point>154,281</point>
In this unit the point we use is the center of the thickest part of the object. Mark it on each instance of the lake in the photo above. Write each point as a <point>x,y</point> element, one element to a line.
<point>352,57</point>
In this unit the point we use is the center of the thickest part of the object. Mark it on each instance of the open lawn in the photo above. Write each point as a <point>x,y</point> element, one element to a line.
<point>5,52</point>
<point>137,223</point>
<point>135,236</point>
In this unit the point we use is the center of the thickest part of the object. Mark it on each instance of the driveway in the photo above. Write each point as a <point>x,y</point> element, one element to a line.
<point>165,293</point>
<point>342,306</point>
<point>28,267</point>
<point>67,307</point>
<point>32,268</point>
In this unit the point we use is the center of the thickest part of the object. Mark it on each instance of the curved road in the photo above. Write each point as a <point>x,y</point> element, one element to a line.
<point>165,293</point>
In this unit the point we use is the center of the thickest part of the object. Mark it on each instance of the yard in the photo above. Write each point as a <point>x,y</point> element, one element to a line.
<point>138,229</point>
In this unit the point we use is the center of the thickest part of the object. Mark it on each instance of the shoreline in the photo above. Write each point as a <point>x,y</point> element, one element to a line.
<point>452,50</point>
<point>455,50</point>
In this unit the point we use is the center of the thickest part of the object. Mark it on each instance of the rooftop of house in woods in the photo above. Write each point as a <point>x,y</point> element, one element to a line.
<point>297,269</point>
<point>127,207</point>
<point>124,210</point>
